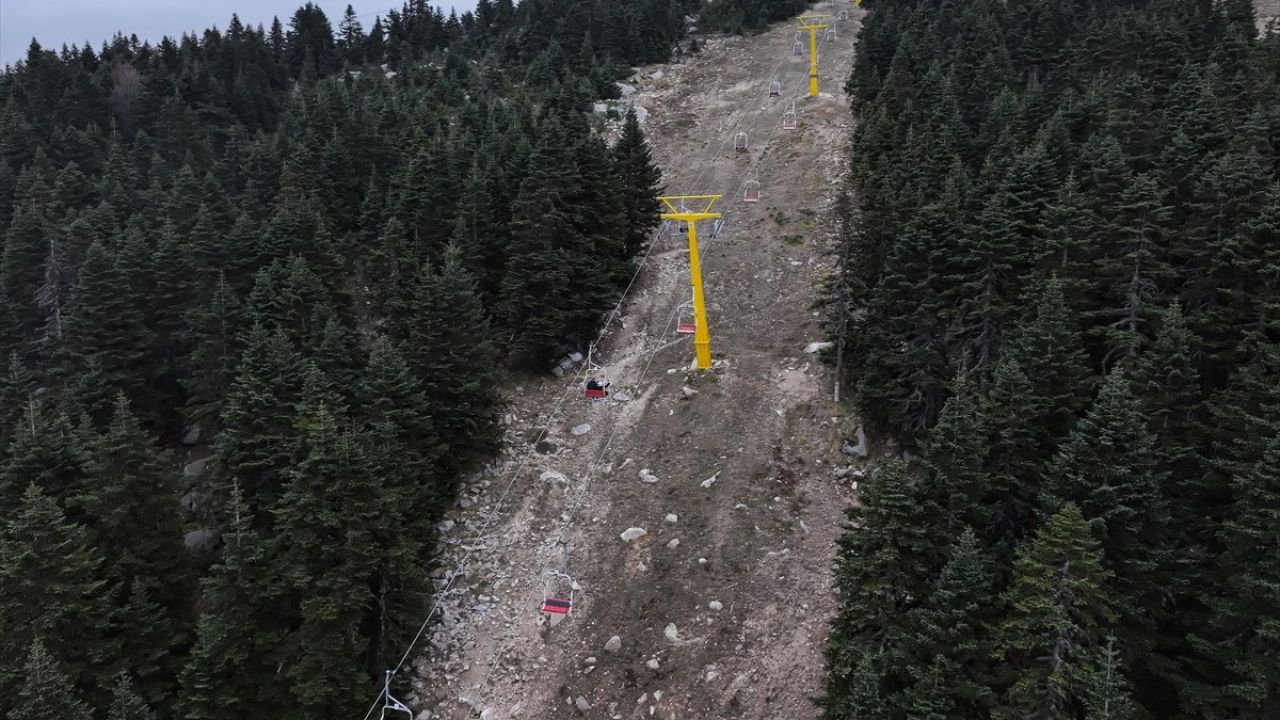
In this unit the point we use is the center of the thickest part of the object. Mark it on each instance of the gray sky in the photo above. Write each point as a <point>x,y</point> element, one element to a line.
<point>54,22</point>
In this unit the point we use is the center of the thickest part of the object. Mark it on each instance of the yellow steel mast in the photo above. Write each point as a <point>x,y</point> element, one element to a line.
<point>674,205</point>
<point>812,24</point>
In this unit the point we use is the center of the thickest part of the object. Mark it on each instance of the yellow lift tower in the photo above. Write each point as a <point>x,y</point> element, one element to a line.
<point>676,210</point>
<point>812,24</point>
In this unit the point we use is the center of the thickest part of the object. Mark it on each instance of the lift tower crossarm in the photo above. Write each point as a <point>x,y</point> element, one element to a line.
<point>674,205</point>
<point>812,24</point>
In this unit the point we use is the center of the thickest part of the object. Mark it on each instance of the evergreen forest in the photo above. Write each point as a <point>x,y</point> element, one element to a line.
<point>258,290</point>
<point>1059,297</point>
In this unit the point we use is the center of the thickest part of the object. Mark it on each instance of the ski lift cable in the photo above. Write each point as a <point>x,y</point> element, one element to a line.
<point>570,391</point>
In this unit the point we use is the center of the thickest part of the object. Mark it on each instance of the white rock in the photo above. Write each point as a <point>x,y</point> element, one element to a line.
<point>634,533</point>
<point>582,429</point>
<point>711,677</point>
<point>688,391</point>
<point>582,704</point>
<point>711,480</point>
<point>672,518</point>
<point>671,632</point>
<point>675,543</point>
<point>841,472</point>
<point>445,526</point>
<point>613,645</point>
<point>591,660</point>
<point>860,450</point>
<point>817,347</point>
<point>626,90</point>
<point>488,713</point>
<point>715,605</point>
<point>647,477</point>
<point>652,664</point>
<point>424,715</point>
<point>551,476</point>
<point>657,696</point>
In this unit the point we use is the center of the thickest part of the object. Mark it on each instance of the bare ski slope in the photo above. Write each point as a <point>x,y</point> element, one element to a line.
<point>721,607</point>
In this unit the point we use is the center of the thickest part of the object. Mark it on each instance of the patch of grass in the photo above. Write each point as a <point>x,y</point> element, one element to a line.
<point>780,217</point>
<point>793,239</point>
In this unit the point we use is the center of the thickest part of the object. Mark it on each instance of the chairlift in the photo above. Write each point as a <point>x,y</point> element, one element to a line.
<point>683,227</point>
<point>751,191</point>
<point>844,16</point>
<point>789,118</point>
<point>389,703</point>
<point>716,227</point>
<point>684,319</point>
<point>597,387</point>
<point>555,600</point>
<point>831,34</point>
<point>740,141</point>
<point>797,49</point>
<point>775,89</point>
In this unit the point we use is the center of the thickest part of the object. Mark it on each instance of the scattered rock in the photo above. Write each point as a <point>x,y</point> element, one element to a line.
<point>582,704</point>
<point>656,75</point>
<point>620,396</point>
<point>553,477</point>
<point>465,503</point>
<point>626,90</point>
<point>860,449</point>
<point>688,391</point>
<point>672,518</point>
<point>191,436</point>
<point>424,715</point>
<point>817,347</point>
<point>445,526</point>
<point>557,371</point>
<point>715,605</point>
<point>195,469</point>
<point>613,645</point>
<point>841,472</point>
<point>710,677</point>
<point>648,477</point>
<point>575,357</point>
<point>591,660</point>
<point>675,543</point>
<point>711,480</point>
<point>634,533</point>
<point>582,429</point>
<point>201,540</point>
<point>653,664</point>
<point>488,713</point>
<point>671,633</point>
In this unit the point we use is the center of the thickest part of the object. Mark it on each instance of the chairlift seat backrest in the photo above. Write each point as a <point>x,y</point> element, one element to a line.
<point>557,606</point>
<point>686,328</point>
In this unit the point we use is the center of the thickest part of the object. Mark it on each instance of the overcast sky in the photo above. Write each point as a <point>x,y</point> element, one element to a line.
<point>54,22</point>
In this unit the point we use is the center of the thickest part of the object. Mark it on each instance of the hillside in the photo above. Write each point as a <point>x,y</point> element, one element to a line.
<point>741,519</point>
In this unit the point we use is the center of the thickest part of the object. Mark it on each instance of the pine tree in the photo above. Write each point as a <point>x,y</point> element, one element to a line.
<point>1060,610</point>
<point>956,627</point>
<point>954,461</point>
<point>449,351</point>
<point>1108,690</point>
<point>882,570</point>
<point>641,185</point>
<point>231,672</point>
<point>132,499</point>
<point>1242,637</point>
<point>326,552</point>
<point>257,419</point>
<point>125,703</point>
<point>47,694</point>
<point>103,327</point>
<point>1107,468</point>
<point>52,588</point>
<point>214,359</point>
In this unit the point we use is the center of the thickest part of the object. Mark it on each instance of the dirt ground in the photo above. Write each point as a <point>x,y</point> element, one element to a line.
<point>722,606</point>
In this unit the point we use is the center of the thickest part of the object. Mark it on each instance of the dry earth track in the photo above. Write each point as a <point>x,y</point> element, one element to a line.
<point>758,543</point>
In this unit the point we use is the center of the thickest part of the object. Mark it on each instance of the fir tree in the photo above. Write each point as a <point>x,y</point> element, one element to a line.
<point>448,350</point>
<point>1107,468</point>
<point>125,703</point>
<point>641,185</point>
<point>1059,611</point>
<point>53,588</point>
<point>47,694</point>
<point>1108,690</point>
